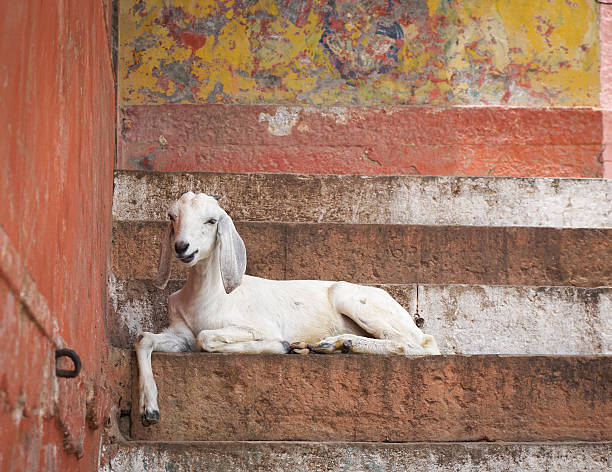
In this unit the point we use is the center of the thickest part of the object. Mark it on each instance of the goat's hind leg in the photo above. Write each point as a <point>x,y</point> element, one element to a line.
<point>362,345</point>
<point>176,338</point>
<point>377,313</point>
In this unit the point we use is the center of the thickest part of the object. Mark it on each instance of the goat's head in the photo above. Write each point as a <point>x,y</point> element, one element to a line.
<point>197,228</point>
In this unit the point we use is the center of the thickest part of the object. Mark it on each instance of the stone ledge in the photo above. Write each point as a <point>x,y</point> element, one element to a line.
<point>380,398</point>
<point>359,199</point>
<point>374,254</point>
<point>363,457</point>
<point>465,319</point>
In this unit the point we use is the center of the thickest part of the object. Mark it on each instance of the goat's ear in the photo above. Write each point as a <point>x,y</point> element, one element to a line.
<point>165,258</point>
<point>232,254</point>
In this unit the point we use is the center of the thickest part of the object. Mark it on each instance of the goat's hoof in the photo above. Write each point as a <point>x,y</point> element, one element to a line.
<point>150,417</point>
<point>299,348</point>
<point>346,346</point>
<point>298,345</point>
<point>286,346</point>
<point>323,348</point>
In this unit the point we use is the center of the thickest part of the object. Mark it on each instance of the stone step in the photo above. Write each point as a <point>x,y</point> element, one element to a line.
<point>358,199</point>
<point>363,457</point>
<point>366,253</point>
<point>354,398</point>
<point>465,319</point>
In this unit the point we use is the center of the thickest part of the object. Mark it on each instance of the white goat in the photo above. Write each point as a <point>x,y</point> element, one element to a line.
<point>222,310</point>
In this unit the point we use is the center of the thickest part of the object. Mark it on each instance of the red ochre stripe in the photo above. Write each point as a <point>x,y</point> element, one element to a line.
<point>363,140</point>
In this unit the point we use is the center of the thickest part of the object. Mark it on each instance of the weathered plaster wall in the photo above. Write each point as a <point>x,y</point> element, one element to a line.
<point>57,125</point>
<point>324,86</point>
<point>321,52</point>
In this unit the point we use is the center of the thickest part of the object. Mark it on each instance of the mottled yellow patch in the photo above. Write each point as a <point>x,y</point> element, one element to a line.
<point>527,53</point>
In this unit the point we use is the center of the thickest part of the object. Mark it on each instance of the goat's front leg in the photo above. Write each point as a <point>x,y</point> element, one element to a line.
<point>177,338</point>
<point>239,339</point>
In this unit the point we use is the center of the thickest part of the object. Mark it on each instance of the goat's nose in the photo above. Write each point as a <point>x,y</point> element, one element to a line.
<point>180,247</point>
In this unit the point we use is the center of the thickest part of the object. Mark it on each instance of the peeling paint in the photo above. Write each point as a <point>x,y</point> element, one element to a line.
<point>285,118</point>
<point>282,122</point>
<point>428,52</point>
<point>340,115</point>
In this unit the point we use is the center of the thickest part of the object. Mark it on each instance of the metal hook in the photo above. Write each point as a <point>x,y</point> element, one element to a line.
<point>76,360</point>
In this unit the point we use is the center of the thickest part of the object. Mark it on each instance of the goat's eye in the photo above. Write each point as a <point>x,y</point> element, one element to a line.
<point>212,221</point>
<point>171,216</point>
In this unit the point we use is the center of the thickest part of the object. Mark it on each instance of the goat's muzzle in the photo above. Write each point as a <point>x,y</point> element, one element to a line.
<point>189,258</point>
<point>180,248</point>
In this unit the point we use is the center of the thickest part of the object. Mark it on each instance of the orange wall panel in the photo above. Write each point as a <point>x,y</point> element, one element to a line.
<point>57,123</point>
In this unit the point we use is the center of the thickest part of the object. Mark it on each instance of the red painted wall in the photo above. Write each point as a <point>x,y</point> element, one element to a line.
<point>57,146</point>
<point>484,141</point>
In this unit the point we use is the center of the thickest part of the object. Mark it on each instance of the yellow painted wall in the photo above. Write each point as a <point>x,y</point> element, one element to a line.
<point>460,52</point>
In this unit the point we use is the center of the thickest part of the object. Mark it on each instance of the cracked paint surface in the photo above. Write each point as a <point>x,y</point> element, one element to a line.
<point>417,52</point>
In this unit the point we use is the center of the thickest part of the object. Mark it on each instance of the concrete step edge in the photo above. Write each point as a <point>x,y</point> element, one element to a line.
<point>416,444</point>
<point>430,200</point>
<point>282,456</point>
<point>391,285</point>
<point>340,224</point>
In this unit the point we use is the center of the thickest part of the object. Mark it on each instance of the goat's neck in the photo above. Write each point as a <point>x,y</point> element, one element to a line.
<point>204,282</point>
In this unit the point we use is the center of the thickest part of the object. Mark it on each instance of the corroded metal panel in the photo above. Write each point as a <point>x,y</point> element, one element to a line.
<point>433,52</point>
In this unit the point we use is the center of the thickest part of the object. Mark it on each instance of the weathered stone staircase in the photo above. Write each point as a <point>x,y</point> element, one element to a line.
<point>512,276</point>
